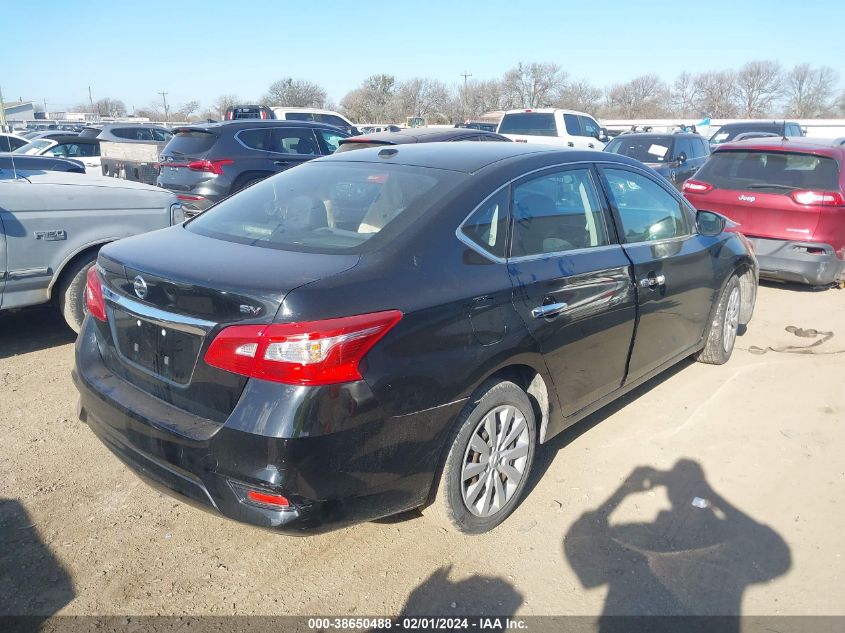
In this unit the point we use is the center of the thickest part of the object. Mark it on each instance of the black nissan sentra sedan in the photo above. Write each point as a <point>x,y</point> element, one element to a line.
<point>398,328</point>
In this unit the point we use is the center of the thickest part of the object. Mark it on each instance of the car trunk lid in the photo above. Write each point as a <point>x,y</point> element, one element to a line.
<point>164,310</point>
<point>765,191</point>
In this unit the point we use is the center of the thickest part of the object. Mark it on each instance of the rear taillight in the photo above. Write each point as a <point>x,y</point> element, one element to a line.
<point>213,166</point>
<point>94,295</point>
<point>823,198</point>
<point>309,353</point>
<point>696,186</point>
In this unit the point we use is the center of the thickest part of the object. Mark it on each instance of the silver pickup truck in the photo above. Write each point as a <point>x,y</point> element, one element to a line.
<point>53,224</point>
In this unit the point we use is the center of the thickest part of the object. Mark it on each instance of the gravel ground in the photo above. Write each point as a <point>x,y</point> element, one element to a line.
<point>711,489</point>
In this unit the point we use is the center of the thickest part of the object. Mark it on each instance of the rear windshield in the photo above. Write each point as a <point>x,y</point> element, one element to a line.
<point>770,172</point>
<point>529,124</point>
<point>190,143</point>
<point>645,150</point>
<point>325,207</point>
<point>729,133</point>
<point>33,147</point>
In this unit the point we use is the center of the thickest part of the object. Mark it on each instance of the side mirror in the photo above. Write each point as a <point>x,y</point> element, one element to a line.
<point>603,136</point>
<point>682,158</point>
<point>709,223</point>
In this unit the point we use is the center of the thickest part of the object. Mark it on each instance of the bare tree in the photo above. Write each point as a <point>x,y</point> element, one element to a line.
<point>374,101</point>
<point>110,107</point>
<point>758,86</point>
<point>534,85</point>
<point>295,93</point>
<point>685,95</point>
<point>422,97</point>
<point>483,96</point>
<point>580,95</point>
<point>717,95</point>
<point>223,103</point>
<point>810,91</point>
<point>185,111</point>
<point>643,96</point>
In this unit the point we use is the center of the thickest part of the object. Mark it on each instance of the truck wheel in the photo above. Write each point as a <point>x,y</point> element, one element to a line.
<point>72,292</point>
<point>722,331</point>
<point>491,451</point>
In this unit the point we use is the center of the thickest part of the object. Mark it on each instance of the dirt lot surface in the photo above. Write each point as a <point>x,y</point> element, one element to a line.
<point>710,489</point>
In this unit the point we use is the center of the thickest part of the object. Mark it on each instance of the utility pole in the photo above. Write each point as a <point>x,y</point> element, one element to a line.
<point>164,99</point>
<point>466,76</point>
<point>45,106</point>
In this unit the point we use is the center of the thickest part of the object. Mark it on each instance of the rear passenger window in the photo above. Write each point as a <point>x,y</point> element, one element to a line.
<point>294,141</point>
<point>685,146</point>
<point>555,213</point>
<point>255,139</point>
<point>161,135</point>
<point>573,127</point>
<point>487,227</point>
<point>332,119</point>
<point>648,212</point>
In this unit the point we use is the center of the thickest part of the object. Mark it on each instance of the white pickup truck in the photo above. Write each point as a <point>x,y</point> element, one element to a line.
<point>552,126</point>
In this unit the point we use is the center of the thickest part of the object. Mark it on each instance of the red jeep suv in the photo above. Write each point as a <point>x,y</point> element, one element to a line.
<point>788,196</point>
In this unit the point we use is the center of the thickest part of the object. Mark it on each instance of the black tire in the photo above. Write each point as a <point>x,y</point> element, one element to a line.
<point>448,508</point>
<point>719,342</point>
<point>72,292</point>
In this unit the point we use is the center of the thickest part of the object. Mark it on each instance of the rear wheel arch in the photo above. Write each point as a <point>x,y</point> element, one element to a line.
<point>248,177</point>
<point>69,263</point>
<point>523,376</point>
<point>534,385</point>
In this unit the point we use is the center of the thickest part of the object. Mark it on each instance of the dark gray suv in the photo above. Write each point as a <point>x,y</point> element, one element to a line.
<point>205,163</point>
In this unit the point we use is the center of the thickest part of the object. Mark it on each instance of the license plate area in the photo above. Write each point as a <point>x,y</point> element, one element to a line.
<point>164,352</point>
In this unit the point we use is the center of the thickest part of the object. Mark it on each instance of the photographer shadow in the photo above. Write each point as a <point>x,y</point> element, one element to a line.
<point>33,583</point>
<point>695,559</point>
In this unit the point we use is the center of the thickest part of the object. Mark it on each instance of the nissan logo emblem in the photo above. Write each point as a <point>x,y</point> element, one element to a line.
<point>140,287</point>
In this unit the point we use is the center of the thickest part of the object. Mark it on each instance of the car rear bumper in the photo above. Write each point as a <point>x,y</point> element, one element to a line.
<point>809,263</point>
<point>367,469</point>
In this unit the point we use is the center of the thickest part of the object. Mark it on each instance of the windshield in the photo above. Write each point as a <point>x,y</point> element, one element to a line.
<point>770,172</point>
<point>34,147</point>
<point>529,124</point>
<point>324,207</point>
<point>645,150</point>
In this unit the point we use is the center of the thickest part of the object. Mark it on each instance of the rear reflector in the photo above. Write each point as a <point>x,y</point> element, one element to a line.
<point>266,499</point>
<point>308,353</point>
<point>94,295</point>
<point>823,198</point>
<point>696,186</point>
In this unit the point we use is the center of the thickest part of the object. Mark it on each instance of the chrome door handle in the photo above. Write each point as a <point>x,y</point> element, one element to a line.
<point>550,310</point>
<point>653,282</point>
